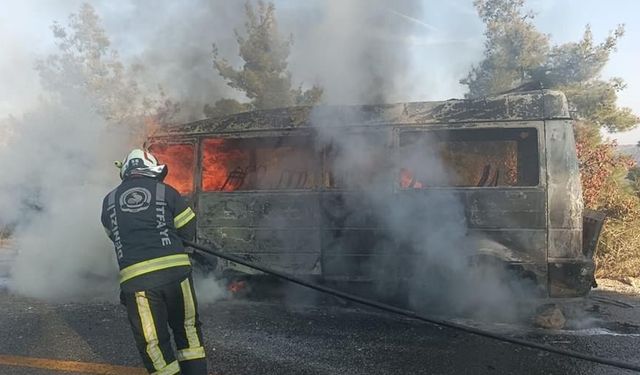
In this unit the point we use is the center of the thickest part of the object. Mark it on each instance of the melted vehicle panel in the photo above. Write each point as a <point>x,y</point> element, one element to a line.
<point>278,230</point>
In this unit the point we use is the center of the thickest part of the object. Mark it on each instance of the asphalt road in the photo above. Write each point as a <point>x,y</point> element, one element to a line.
<point>272,337</point>
<point>281,336</point>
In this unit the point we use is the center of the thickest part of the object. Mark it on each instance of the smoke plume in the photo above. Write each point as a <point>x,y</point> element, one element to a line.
<point>173,48</point>
<point>57,158</point>
<point>358,50</point>
<point>425,250</point>
<point>56,168</point>
<point>424,253</point>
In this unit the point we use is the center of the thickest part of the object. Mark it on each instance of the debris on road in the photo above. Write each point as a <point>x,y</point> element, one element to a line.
<point>550,317</point>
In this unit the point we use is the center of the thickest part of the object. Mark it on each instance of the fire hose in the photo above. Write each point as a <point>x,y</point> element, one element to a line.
<point>413,315</point>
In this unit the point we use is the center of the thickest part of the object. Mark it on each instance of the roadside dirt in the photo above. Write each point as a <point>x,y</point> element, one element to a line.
<point>628,286</point>
<point>613,308</point>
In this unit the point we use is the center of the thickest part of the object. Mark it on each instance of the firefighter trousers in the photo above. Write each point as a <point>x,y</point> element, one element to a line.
<point>151,313</point>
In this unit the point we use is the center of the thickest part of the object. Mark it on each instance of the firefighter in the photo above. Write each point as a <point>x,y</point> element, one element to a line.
<point>146,220</point>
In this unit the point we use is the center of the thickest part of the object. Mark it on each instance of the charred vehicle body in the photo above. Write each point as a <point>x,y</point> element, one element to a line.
<point>268,186</point>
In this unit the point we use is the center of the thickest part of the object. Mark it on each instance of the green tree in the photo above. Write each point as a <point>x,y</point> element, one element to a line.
<point>86,64</point>
<point>516,52</point>
<point>264,77</point>
<point>513,47</point>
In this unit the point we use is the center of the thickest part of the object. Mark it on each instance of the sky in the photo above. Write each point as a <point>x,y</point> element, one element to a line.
<point>444,43</point>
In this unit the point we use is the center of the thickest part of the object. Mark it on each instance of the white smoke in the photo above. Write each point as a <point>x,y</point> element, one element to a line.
<point>358,50</point>
<point>57,158</point>
<point>208,288</point>
<point>370,67</point>
<point>426,252</point>
<point>56,169</point>
<point>172,43</point>
<point>57,166</point>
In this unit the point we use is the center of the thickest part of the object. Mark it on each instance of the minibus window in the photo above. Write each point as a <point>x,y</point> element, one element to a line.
<point>275,163</point>
<point>468,158</point>
<point>359,161</point>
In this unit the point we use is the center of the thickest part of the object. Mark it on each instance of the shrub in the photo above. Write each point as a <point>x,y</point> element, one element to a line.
<point>605,188</point>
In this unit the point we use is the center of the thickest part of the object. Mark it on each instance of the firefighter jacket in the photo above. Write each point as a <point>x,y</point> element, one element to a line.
<point>146,220</point>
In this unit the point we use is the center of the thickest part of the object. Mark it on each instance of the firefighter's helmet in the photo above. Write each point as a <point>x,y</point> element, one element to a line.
<point>143,163</point>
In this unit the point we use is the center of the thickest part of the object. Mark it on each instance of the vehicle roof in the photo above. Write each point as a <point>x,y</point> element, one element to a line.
<point>512,106</point>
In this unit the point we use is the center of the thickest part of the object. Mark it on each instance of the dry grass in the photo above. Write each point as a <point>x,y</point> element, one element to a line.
<point>618,254</point>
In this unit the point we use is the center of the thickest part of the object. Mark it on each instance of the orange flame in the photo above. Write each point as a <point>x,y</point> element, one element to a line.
<point>237,286</point>
<point>180,159</point>
<point>222,165</point>
<point>407,180</point>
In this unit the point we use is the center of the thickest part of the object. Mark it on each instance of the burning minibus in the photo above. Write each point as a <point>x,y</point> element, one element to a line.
<point>310,190</point>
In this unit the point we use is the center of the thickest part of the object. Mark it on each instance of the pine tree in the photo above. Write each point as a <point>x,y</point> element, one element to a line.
<point>264,77</point>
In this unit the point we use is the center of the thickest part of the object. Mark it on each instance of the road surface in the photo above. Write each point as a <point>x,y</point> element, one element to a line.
<point>270,337</point>
<point>278,336</point>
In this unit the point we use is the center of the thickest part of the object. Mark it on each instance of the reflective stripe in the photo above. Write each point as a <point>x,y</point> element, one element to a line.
<point>156,264</point>
<point>160,189</point>
<point>190,354</point>
<point>150,334</point>
<point>190,315</point>
<point>183,218</point>
<point>111,200</point>
<point>171,369</point>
